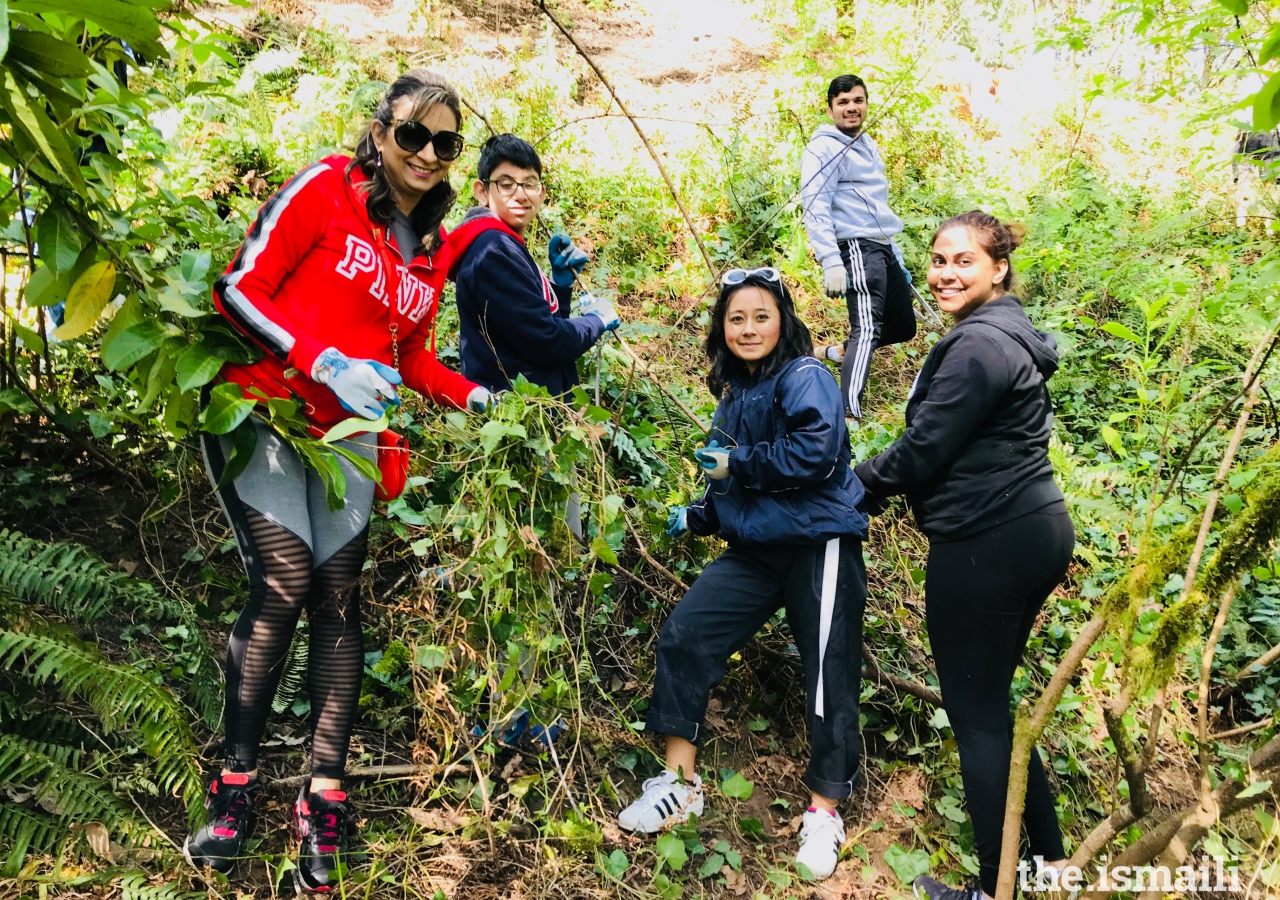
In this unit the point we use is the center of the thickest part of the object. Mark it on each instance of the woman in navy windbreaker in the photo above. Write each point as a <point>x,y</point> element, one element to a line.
<point>782,494</point>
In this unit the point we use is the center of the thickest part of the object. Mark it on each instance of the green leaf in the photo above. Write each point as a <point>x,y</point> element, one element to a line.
<point>670,851</point>
<point>1233,502</point>
<point>1236,7</point>
<point>244,440</point>
<point>40,130</point>
<point>734,859</point>
<point>197,367</point>
<point>711,866</point>
<point>949,807</point>
<point>366,467</point>
<point>355,425</point>
<point>171,301</point>
<point>908,866</point>
<point>736,787</point>
<point>1266,105</point>
<point>602,551</point>
<point>29,338</point>
<point>1253,790</point>
<point>493,431</point>
<point>667,889</point>
<point>430,656</point>
<point>58,238</point>
<point>45,288</point>
<point>4,28</point>
<point>752,829</point>
<point>1114,441</point>
<point>86,300</point>
<point>228,407</point>
<point>1270,47</point>
<point>133,344</point>
<point>99,424</point>
<point>48,55</point>
<point>759,724</point>
<point>615,865</point>
<point>135,22</point>
<point>1121,331</point>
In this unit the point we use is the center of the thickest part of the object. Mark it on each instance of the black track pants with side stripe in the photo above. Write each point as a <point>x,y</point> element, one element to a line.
<point>824,589</point>
<point>879,301</point>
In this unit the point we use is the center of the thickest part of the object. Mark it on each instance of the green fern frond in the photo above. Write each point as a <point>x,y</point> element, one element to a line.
<point>136,887</point>
<point>294,675</point>
<point>122,697</point>
<point>74,581</point>
<point>51,771</point>
<point>205,688</point>
<point>24,831</point>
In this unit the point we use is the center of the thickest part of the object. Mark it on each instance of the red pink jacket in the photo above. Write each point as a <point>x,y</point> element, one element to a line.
<point>316,272</point>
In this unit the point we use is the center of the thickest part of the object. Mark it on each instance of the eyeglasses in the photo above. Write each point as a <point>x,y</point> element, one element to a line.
<point>737,276</point>
<point>507,186</point>
<point>412,136</point>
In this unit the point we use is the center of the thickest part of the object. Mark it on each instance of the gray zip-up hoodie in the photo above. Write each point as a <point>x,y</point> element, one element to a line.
<point>844,192</point>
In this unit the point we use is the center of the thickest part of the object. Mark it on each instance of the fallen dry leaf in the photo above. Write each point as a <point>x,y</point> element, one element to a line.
<point>98,838</point>
<point>734,882</point>
<point>434,819</point>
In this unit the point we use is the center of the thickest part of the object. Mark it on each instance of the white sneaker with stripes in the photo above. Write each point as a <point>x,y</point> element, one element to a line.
<point>821,836</point>
<point>665,801</point>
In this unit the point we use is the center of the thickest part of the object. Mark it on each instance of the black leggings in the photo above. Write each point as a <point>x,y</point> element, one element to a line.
<point>982,596</point>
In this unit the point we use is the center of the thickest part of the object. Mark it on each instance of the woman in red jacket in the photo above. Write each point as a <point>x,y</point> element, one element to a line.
<point>338,282</point>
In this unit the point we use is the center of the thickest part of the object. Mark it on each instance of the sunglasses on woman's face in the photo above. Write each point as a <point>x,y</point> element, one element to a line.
<point>411,136</point>
<point>737,276</point>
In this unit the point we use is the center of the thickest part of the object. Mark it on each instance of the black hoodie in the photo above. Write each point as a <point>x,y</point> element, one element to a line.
<point>976,450</point>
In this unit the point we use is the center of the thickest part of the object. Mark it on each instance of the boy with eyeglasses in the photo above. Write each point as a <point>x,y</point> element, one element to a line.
<point>513,320</point>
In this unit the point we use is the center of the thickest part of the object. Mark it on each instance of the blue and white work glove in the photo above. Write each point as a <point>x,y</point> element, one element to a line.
<point>591,305</point>
<point>678,520</point>
<point>714,460</point>
<point>566,259</point>
<point>364,386</point>
<point>480,399</point>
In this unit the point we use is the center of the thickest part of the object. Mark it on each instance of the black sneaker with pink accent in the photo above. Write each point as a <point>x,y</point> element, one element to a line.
<point>229,805</point>
<point>320,822</point>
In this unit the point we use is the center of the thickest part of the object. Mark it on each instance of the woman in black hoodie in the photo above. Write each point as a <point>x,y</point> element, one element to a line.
<point>974,463</point>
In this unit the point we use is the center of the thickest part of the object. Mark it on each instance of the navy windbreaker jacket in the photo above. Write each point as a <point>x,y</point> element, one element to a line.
<point>789,481</point>
<point>512,320</point>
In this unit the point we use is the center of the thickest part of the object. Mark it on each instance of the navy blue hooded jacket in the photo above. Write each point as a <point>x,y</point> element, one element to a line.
<point>789,481</point>
<point>512,320</point>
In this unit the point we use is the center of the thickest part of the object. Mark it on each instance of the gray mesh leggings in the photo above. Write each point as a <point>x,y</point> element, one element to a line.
<point>297,554</point>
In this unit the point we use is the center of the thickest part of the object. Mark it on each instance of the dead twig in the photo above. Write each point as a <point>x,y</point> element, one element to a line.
<point>872,672</point>
<point>644,551</point>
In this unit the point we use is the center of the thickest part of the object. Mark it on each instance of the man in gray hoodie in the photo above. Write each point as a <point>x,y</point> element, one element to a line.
<point>851,228</point>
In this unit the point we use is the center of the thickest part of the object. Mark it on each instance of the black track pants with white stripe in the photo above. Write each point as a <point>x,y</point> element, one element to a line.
<point>732,599</point>
<point>876,284</point>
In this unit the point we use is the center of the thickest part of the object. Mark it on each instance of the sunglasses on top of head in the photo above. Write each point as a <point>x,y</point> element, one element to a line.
<point>737,276</point>
<point>411,136</point>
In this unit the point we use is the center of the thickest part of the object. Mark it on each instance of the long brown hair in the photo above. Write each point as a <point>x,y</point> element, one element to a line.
<point>998,239</point>
<point>426,89</point>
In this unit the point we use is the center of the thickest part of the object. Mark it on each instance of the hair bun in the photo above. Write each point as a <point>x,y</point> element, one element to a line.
<point>1017,233</point>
